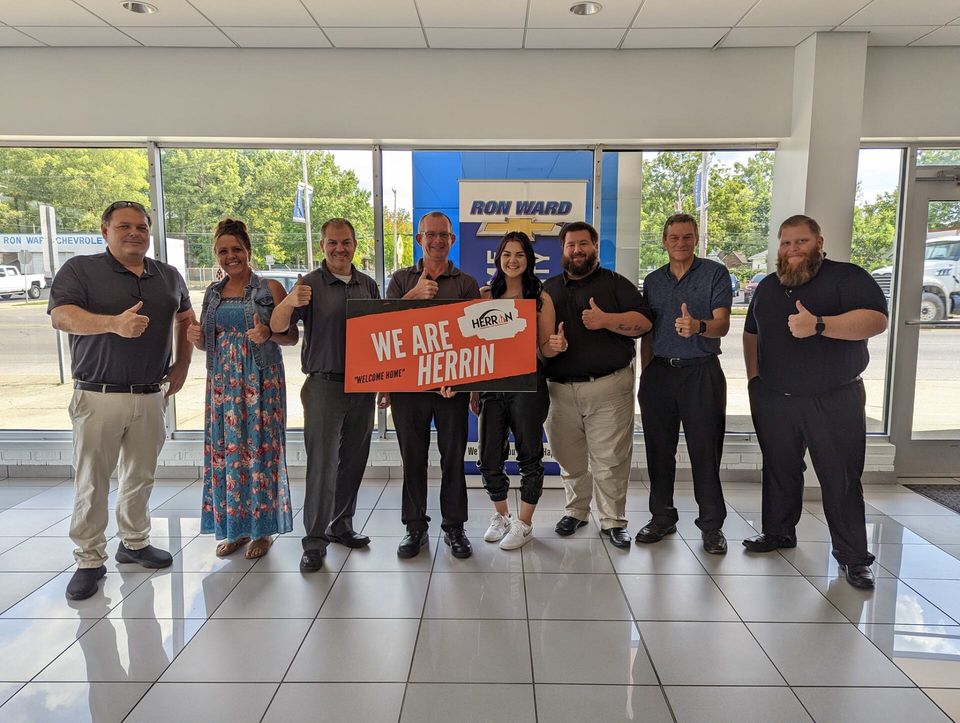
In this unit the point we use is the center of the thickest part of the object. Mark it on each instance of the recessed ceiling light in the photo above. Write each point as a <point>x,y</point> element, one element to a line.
<point>140,8</point>
<point>586,8</point>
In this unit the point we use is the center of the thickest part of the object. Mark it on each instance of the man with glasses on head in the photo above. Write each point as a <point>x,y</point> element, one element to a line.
<point>805,345</point>
<point>433,277</point>
<point>337,426</point>
<point>119,309</point>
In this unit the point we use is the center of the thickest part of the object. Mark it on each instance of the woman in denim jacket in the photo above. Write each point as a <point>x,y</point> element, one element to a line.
<point>246,493</point>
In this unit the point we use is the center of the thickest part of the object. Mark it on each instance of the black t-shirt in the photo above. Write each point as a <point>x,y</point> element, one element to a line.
<point>592,353</point>
<point>816,364</point>
<point>102,285</point>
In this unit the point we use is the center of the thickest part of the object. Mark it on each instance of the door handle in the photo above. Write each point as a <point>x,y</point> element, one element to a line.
<point>943,324</point>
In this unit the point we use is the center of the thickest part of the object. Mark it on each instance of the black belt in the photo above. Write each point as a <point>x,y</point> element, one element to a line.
<point>116,388</point>
<point>678,363</point>
<point>580,380</point>
<point>328,376</point>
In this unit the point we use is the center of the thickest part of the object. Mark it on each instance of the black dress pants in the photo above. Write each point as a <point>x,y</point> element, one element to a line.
<point>696,397</point>
<point>412,414</point>
<point>833,427</point>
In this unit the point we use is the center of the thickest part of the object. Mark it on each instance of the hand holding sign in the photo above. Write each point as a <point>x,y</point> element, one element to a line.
<point>130,324</point>
<point>803,323</point>
<point>593,317</point>
<point>686,325</point>
<point>260,332</point>
<point>426,288</point>
<point>300,293</point>
<point>558,342</point>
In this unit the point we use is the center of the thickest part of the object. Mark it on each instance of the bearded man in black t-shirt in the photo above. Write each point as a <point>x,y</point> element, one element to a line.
<point>805,345</point>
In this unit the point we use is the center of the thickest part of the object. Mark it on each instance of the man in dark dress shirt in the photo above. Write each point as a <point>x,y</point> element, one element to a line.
<point>337,426</point>
<point>804,343</point>
<point>682,382</point>
<point>433,277</point>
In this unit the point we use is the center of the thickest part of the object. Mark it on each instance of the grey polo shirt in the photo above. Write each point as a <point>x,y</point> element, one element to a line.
<point>325,318</point>
<point>102,285</point>
<point>453,283</point>
<point>705,287</point>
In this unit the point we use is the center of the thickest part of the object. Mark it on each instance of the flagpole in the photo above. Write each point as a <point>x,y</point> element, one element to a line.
<point>306,212</point>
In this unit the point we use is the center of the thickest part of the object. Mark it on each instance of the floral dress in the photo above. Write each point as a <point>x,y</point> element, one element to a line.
<point>246,492</point>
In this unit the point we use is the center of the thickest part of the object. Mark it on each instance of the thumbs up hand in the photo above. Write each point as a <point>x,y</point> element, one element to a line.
<point>557,343</point>
<point>300,294</point>
<point>593,317</point>
<point>686,325</point>
<point>130,324</point>
<point>195,333</point>
<point>803,323</point>
<point>260,332</point>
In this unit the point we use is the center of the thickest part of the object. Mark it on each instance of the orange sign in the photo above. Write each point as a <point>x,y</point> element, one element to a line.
<point>396,345</point>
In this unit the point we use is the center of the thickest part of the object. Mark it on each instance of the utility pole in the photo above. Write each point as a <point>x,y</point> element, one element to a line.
<point>704,176</point>
<point>306,211</point>
<point>397,251</point>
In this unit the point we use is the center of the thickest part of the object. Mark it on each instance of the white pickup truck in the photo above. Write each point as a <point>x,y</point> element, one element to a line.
<point>13,282</point>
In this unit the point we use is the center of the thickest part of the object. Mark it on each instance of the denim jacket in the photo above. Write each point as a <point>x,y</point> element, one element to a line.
<point>257,299</point>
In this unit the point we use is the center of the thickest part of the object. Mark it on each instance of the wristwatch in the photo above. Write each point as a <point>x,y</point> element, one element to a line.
<point>820,325</point>
<point>703,327</point>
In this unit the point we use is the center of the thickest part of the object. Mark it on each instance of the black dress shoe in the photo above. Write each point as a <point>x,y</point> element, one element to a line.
<point>769,543</point>
<point>568,525</point>
<point>350,539</point>
<point>83,584</point>
<point>149,556</point>
<point>618,536</point>
<point>459,544</point>
<point>714,542</point>
<point>411,543</point>
<point>860,576</point>
<point>312,559</point>
<point>654,532</point>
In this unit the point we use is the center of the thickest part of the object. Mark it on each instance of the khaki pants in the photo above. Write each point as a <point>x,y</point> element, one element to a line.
<point>109,429</point>
<point>590,428</point>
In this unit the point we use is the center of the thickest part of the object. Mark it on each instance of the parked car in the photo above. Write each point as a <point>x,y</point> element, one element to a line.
<point>734,284</point>
<point>751,286</point>
<point>286,277</point>
<point>13,282</point>
<point>941,279</point>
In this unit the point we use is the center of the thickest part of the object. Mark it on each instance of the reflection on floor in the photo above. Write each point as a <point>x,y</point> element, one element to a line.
<point>566,629</point>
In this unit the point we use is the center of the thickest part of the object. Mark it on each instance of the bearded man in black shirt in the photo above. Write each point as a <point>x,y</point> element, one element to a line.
<point>805,345</point>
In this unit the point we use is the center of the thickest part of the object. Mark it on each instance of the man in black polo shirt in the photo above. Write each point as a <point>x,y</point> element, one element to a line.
<point>119,309</point>
<point>804,343</point>
<point>682,381</point>
<point>590,425</point>
<point>433,277</point>
<point>336,426</point>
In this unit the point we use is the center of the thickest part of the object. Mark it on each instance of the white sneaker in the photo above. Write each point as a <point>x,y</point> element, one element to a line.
<point>499,526</point>
<point>520,534</point>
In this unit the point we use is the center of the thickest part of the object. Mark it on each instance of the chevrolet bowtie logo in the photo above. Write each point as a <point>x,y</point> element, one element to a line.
<point>527,224</point>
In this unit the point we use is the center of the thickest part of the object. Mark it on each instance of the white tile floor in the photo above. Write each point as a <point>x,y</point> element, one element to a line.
<point>566,629</point>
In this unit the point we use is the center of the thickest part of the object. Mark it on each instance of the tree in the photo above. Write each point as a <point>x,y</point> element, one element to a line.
<point>874,231</point>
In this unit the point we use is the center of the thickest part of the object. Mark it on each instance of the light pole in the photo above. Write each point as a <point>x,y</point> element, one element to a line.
<point>397,251</point>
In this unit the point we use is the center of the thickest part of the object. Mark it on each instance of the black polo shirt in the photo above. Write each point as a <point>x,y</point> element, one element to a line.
<point>453,283</point>
<point>816,364</point>
<point>102,285</point>
<point>325,317</point>
<point>592,353</point>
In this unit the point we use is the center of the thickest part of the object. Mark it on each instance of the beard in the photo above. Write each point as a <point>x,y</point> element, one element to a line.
<point>797,275</point>
<point>579,267</point>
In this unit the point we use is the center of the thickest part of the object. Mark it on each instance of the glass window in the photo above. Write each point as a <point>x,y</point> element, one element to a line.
<point>78,183</point>
<point>260,187</point>
<point>939,157</point>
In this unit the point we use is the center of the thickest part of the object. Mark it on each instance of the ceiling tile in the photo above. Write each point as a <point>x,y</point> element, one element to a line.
<point>768,37</point>
<point>949,35</point>
<point>376,37</point>
<point>486,14</point>
<point>364,13</point>
<point>907,12</point>
<point>891,34</point>
<point>170,13</point>
<point>278,37</point>
<point>11,38</point>
<point>104,37</point>
<point>673,37</point>
<point>556,14</point>
<point>691,13</point>
<point>571,39</point>
<point>208,37</point>
<point>45,12</point>
<point>790,13</point>
<point>475,37</point>
<point>255,13</point>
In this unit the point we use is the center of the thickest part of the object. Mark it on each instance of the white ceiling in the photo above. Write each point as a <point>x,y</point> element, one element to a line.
<point>494,24</point>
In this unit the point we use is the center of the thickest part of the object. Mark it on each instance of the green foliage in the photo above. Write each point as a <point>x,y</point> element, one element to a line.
<point>875,231</point>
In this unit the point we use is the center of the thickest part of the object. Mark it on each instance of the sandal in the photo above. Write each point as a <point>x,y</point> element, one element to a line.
<point>258,548</point>
<point>228,548</point>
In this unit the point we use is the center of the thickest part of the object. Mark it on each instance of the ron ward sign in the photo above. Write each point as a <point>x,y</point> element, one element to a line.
<point>399,345</point>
